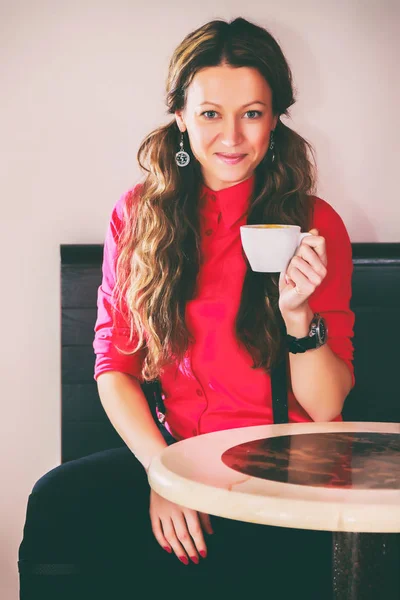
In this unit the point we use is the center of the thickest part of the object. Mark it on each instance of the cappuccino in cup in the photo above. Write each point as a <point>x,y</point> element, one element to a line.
<point>270,248</point>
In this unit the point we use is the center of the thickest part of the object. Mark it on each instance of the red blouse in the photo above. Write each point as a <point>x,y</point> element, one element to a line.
<point>215,388</point>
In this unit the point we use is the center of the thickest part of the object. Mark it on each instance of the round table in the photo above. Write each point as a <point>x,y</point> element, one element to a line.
<point>342,477</point>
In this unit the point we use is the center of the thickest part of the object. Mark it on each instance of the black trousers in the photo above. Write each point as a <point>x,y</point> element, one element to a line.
<point>88,535</point>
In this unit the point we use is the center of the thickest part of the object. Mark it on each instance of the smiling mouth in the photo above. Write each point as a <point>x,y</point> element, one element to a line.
<point>228,155</point>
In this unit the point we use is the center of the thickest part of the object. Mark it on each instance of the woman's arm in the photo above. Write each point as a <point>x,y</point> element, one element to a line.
<point>319,280</point>
<point>320,379</point>
<point>118,375</point>
<point>127,408</point>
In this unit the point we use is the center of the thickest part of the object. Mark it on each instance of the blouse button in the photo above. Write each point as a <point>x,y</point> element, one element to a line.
<point>209,232</point>
<point>199,392</point>
<point>213,197</point>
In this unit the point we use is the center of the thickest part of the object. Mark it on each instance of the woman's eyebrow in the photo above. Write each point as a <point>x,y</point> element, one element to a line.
<point>244,105</point>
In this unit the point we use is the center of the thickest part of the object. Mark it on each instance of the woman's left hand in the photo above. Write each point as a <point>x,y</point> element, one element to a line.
<point>305,272</point>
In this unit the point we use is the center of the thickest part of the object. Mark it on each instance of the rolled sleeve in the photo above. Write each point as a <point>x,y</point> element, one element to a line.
<point>332,298</point>
<point>111,328</point>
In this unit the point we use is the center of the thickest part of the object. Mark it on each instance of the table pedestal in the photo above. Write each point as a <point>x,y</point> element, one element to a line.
<point>366,566</point>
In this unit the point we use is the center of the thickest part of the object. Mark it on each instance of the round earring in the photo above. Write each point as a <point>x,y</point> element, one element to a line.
<point>182,158</point>
<point>271,145</point>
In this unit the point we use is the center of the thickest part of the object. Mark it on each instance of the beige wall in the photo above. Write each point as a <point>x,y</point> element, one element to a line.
<point>81,84</point>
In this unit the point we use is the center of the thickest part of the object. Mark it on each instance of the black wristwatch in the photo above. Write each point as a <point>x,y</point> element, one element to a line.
<point>315,339</point>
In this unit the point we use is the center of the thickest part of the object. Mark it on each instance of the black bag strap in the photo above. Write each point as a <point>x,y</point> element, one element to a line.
<point>152,391</point>
<point>279,392</point>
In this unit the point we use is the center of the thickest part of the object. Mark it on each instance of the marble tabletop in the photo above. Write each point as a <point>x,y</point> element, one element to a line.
<point>323,476</point>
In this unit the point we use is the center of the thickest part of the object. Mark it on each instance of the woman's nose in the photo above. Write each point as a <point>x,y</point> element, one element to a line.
<point>231,134</point>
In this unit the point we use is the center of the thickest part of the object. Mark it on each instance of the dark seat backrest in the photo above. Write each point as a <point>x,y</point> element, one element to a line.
<point>376,301</point>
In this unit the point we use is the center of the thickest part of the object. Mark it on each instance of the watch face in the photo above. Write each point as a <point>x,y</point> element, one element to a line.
<point>321,330</point>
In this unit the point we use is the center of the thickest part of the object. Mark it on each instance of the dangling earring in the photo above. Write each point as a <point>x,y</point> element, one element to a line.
<point>182,158</point>
<point>271,145</point>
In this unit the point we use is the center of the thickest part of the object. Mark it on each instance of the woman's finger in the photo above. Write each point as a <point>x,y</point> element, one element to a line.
<point>298,264</point>
<point>196,531</point>
<point>159,535</point>
<point>318,243</point>
<point>309,255</point>
<point>185,536</point>
<point>171,536</point>
<point>206,522</point>
<point>301,283</point>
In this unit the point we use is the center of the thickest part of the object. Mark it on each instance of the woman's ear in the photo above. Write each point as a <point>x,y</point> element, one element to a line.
<point>179,120</point>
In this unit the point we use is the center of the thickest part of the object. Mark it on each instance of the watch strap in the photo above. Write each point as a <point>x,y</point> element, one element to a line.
<point>299,345</point>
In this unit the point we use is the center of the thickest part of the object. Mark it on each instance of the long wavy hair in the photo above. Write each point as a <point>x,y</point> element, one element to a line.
<point>159,248</point>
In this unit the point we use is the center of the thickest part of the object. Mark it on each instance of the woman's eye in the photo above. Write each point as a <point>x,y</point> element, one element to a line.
<point>254,112</point>
<point>208,112</point>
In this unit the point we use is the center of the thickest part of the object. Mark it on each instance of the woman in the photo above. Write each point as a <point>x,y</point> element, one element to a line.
<point>179,304</point>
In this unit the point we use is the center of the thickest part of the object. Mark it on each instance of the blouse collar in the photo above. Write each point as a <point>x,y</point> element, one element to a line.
<point>232,202</point>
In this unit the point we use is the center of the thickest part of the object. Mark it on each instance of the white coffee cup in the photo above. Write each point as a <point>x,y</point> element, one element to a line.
<point>269,248</point>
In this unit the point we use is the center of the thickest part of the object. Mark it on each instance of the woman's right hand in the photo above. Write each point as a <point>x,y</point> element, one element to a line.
<point>179,529</point>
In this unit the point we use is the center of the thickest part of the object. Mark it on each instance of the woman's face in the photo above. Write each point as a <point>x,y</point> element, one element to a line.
<point>228,112</point>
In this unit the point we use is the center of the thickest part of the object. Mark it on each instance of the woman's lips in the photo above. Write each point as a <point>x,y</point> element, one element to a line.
<point>230,159</point>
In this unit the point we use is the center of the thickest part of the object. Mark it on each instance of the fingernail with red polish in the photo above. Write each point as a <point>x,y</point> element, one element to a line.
<point>195,559</point>
<point>167,549</point>
<point>203,553</point>
<point>184,559</point>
